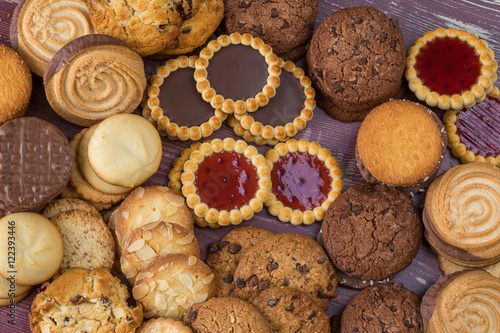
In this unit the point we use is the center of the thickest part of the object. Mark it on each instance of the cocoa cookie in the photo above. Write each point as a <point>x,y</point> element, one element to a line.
<point>289,260</point>
<point>383,308</point>
<point>224,255</point>
<point>357,58</point>
<point>291,310</point>
<point>285,25</point>
<point>226,314</point>
<point>371,232</point>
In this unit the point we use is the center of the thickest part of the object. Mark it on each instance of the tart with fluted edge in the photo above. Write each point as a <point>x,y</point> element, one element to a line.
<point>474,133</point>
<point>237,73</point>
<point>175,107</point>
<point>286,114</point>
<point>450,68</point>
<point>305,178</point>
<point>235,124</point>
<point>225,181</point>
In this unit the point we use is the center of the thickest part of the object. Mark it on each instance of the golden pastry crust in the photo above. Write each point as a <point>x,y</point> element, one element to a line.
<point>468,98</point>
<point>235,124</point>
<point>285,131</point>
<point>295,216</point>
<point>154,113</point>
<point>458,149</point>
<point>228,105</point>
<point>213,216</point>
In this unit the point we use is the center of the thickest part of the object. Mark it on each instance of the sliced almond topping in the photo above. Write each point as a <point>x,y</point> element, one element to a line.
<point>171,210</point>
<point>186,240</point>
<point>140,192</point>
<point>177,230</point>
<point>144,275</point>
<point>171,292</point>
<point>198,287</point>
<point>149,314</point>
<point>140,291</point>
<point>186,280</point>
<point>125,215</point>
<point>174,199</point>
<point>192,260</point>
<point>153,217</point>
<point>200,298</point>
<point>170,301</point>
<point>127,270</point>
<point>147,235</point>
<point>154,246</point>
<point>146,253</point>
<point>172,312</point>
<point>161,285</point>
<point>233,317</point>
<point>166,231</point>
<point>118,312</point>
<point>208,279</point>
<point>181,301</point>
<point>138,220</point>
<point>151,225</point>
<point>136,246</point>
<point>112,220</point>
<point>160,302</point>
<point>152,286</point>
<point>93,300</point>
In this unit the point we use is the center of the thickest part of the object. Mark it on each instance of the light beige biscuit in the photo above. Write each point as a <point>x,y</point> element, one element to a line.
<point>449,267</point>
<point>65,204</point>
<point>151,204</point>
<point>88,242</point>
<point>153,240</point>
<point>32,247</point>
<point>125,150</point>
<point>10,289</point>
<point>69,192</point>
<point>171,284</point>
<point>165,325</point>
<point>15,299</point>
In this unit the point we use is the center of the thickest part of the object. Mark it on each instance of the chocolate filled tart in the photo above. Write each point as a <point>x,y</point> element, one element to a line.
<point>175,107</point>
<point>237,73</point>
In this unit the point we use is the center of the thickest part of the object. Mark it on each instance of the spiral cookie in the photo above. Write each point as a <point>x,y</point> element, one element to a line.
<point>40,28</point>
<point>462,217</point>
<point>94,77</point>
<point>468,301</point>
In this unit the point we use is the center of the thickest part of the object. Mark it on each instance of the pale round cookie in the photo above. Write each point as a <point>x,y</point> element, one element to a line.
<point>449,267</point>
<point>88,242</point>
<point>171,284</point>
<point>38,248</point>
<point>165,325</point>
<point>153,240</point>
<point>151,204</point>
<point>9,289</point>
<point>16,299</point>
<point>125,150</point>
<point>69,192</point>
<point>65,204</point>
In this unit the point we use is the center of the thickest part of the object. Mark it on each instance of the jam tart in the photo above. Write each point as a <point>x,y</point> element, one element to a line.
<point>225,181</point>
<point>175,107</point>
<point>286,113</point>
<point>450,68</point>
<point>237,73</point>
<point>305,178</point>
<point>474,133</point>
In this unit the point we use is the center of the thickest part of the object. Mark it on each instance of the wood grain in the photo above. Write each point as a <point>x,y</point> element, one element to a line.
<point>415,18</point>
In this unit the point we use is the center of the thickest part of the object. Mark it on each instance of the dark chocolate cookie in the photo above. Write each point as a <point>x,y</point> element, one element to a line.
<point>371,232</point>
<point>224,255</point>
<point>289,260</point>
<point>383,308</point>
<point>357,56</point>
<point>285,25</point>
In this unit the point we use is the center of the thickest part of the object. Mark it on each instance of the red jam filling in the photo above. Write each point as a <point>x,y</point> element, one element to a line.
<point>300,181</point>
<point>448,65</point>
<point>479,127</point>
<point>226,180</point>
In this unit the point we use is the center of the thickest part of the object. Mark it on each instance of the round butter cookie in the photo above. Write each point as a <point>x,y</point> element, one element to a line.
<point>66,204</point>
<point>40,28</point>
<point>94,77</point>
<point>226,314</point>
<point>448,267</point>
<point>12,292</point>
<point>15,85</point>
<point>165,325</point>
<point>171,284</point>
<point>84,301</point>
<point>401,144</point>
<point>37,251</point>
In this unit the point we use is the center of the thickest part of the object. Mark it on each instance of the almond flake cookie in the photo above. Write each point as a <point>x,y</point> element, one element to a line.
<point>171,284</point>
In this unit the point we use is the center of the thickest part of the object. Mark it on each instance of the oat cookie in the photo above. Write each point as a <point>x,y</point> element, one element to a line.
<point>65,204</point>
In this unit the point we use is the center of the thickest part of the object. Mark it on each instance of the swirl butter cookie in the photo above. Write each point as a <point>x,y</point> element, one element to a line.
<point>94,77</point>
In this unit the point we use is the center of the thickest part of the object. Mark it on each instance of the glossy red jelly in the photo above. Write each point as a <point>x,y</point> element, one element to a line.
<point>479,127</point>
<point>226,180</point>
<point>300,181</point>
<point>448,65</point>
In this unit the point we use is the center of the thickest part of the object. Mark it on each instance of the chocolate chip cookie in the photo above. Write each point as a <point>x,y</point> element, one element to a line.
<point>370,233</point>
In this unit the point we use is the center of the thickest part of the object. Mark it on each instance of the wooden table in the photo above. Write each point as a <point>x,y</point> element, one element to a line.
<point>415,18</point>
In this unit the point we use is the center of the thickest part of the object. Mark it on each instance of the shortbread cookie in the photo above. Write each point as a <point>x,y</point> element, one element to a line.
<point>383,308</point>
<point>81,300</point>
<point>448,267</point>
<point>226,314</point>
<point>225,181</point>
<point>174,105</point>
<point>94,77</point>
<point>291,310</point>
<point>224,255</point>
<point>450,68</point>
<point>165,325</point>
<point>289,260</point>
<point>171,284</point>
<point>70,192</point>
<point>66,204</point>
<point>88,242</point>
<point>459,300</point>
<point>153,240</point>
<point>151,204</point>
<point>12,292</point>
<point>226,83</point>
<point>14,98</point>
<point>38,31</point>
<point>37,251</point>
<point>305,180</point>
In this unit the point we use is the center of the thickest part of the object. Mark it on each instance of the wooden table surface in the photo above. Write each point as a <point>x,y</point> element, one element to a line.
<point>415,18</point>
